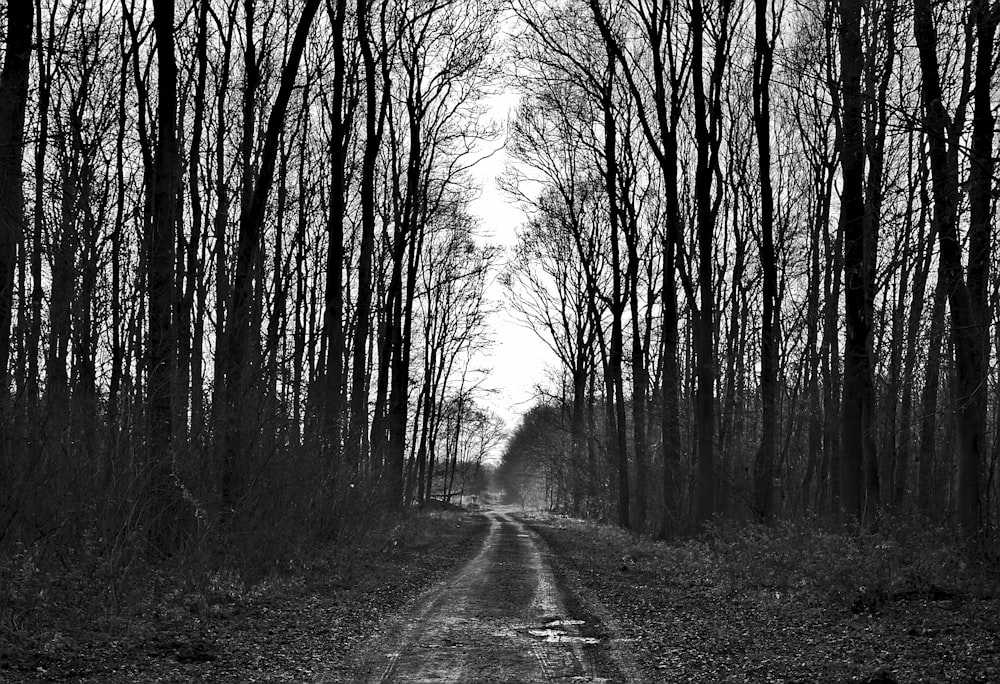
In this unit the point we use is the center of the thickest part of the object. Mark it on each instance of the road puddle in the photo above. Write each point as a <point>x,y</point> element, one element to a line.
<point>551,635</point>
<point>563,623</point>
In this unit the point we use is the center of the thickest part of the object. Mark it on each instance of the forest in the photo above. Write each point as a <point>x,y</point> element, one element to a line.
<point>761,247</point>
<point>243,292</point>
<point>245,305</point>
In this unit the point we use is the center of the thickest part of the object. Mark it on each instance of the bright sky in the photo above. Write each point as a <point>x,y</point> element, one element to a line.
<point>518,358</point>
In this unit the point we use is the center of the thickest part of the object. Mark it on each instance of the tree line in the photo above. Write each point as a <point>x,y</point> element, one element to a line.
<point>760,244</point>
<point>242,292</point>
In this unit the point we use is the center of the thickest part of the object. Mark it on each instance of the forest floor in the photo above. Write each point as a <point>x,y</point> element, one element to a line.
<point>300,624</point>
<point>783,605</point>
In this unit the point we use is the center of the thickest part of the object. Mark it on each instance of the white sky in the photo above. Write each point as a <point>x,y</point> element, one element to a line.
<point>518,358</point>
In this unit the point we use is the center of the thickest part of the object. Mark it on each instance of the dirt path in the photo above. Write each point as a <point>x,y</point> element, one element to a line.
<point>500,618</point>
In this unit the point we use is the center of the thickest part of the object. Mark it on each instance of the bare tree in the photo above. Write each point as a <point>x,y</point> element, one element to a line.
<point>858,396</point>
<point>13,100</point>
<point>965,304</point>
<point>708,135</point>
<point>239,328</point>
<point>763,65</point>
<point>164,186</point>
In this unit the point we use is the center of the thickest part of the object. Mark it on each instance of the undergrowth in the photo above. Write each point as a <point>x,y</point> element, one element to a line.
<point>904,559</point>
<point>49,591</point>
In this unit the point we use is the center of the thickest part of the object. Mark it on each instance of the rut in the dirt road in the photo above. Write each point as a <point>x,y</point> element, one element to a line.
<point>500,618</point>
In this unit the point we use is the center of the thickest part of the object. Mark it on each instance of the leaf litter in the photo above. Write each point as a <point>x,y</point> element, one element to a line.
<point>692,612</point>
<point>303,624</point>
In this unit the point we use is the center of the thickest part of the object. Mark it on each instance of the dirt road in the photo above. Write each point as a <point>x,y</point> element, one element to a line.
<point>500,618</point>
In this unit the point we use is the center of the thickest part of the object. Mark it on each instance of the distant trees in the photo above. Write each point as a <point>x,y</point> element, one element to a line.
<point>774,180</point>
<point>536,467</point>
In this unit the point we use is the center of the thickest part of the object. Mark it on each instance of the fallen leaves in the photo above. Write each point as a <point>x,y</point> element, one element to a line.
<point>300,625</point>
<point>683,619</point>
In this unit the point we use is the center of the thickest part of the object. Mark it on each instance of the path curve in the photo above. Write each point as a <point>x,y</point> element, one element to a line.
<point>500,618</point>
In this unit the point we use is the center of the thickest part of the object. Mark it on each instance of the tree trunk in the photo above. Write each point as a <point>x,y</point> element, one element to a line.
<point>164,187</point>
<point>13,101</point>
<point>192,326</point>
<point>670,420</point>
<point>708,121</point>
<point>973,514</point>
<point>763,471</point>
<point>240,328</point>
<point>220,223</point>
<point>37,293</point>
<point>375,113</point>
<point>640,383</point>
<point>928,498</point>
<point>966,336</point>
<point>616,398</point>
<point>911,342</point>
<point>333,323</point>
<point>857,393</point>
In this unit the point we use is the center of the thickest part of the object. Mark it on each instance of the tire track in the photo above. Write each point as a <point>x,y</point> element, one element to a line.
<point>500,618</point>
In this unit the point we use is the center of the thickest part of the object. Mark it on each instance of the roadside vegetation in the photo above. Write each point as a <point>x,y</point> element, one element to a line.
<point>790,603</point>
<point>303,618</point>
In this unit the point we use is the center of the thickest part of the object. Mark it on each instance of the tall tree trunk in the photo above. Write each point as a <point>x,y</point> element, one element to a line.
<point>192,326</point>
<point>299,307</point>
<point>240,327</point>
<point>399,354</point>
<point>375,113</point>
<point>616,398</point>
<point>928,494</point>
<point>814,315</point>
<point>164,186</point>
<point>830,366</point>
<point>966,337</point>
<point>13,101</point>
<point>640,382</point>
<point>972,512</point>
<point>881,29</point>
<point>708,122</point>
<point>117,341</point>
<point>670,420</point>
<point>407,248</point>
<point>220,223</point>
<point>37,293</point>
<point>763,471</point>
<point>857,393</point>
<point>63,258</point>
<point>333,323</point>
